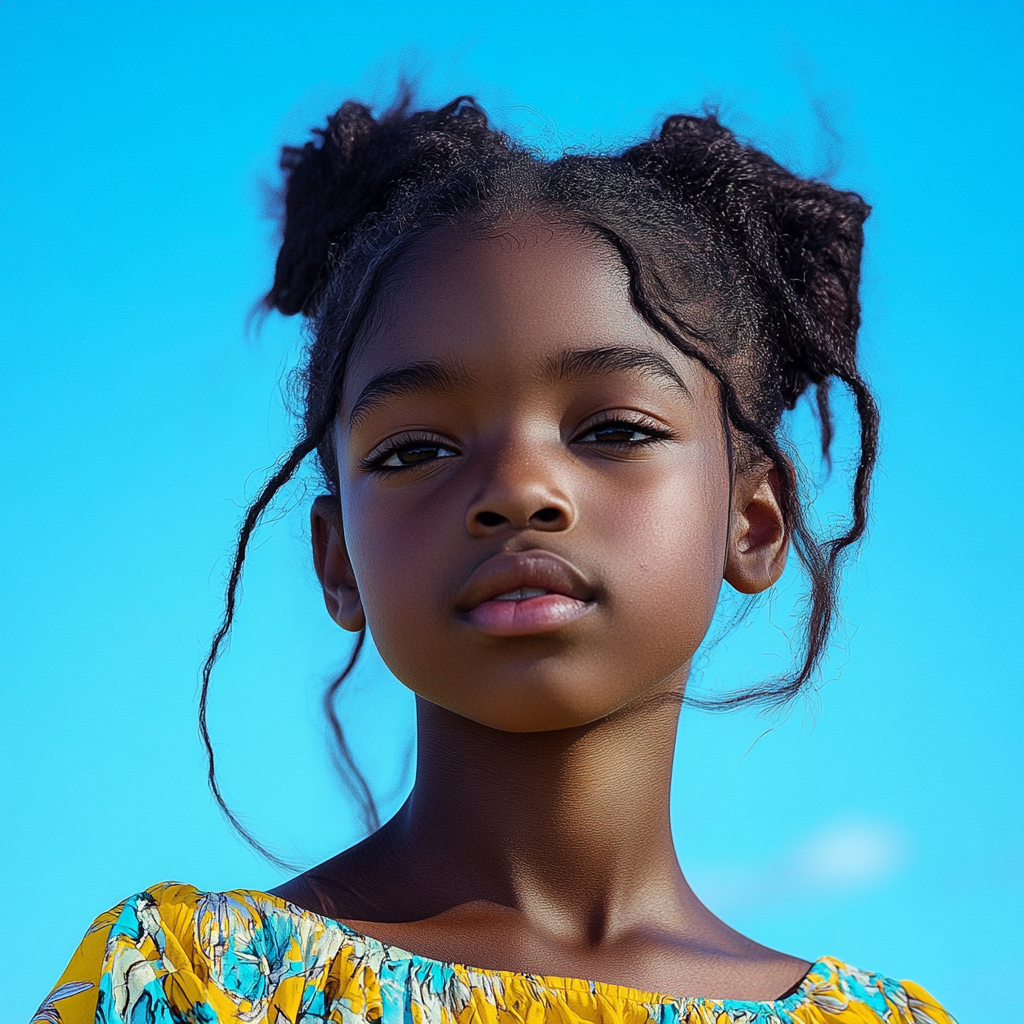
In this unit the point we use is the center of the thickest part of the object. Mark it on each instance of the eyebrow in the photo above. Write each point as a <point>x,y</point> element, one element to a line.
<point>587,362</point>
<point>434,375</point>
<point>416,378</point>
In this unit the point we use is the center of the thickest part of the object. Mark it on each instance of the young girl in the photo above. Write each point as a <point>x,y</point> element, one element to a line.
<point>545,398</point>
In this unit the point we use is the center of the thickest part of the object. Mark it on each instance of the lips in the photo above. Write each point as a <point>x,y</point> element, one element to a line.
<point>523,593</point>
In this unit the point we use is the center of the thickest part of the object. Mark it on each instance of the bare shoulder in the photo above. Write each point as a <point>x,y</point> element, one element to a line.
<point>362,883</point>
<point>313,891</point>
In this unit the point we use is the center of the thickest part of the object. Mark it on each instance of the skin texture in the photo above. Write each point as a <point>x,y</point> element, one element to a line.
<point>547,438</point>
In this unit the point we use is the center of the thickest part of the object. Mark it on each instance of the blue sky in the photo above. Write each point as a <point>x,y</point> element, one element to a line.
<point>882,823</point>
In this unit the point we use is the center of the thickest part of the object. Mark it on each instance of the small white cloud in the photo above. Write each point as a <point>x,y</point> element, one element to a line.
<point>844,856</point>
<point>849,854</point>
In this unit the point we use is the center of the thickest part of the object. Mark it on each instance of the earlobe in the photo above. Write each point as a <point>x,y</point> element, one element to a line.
<point>759,538</point>
<point>333,566</point>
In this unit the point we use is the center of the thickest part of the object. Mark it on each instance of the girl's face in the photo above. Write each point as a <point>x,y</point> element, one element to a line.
<point>534,485</point>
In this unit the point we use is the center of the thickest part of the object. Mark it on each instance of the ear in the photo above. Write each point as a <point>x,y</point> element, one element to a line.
<point>759,540</point>
<point>332,564</point>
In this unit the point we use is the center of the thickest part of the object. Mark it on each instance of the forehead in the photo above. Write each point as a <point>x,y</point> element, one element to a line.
<point>502,302</point>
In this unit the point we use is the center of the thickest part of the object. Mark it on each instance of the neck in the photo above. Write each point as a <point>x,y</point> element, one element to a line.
<point>570,827</point>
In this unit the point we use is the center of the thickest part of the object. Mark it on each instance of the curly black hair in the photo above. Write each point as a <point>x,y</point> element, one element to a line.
<point>739,263</point>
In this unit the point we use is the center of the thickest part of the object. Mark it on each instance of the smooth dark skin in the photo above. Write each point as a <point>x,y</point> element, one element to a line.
<point>537,836</point>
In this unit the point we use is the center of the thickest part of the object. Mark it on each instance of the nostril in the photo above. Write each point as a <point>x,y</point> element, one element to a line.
<point>490,519</point>
<point>547,515</point>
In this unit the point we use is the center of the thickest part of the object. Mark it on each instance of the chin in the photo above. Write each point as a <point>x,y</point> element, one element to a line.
<point>529,707</point>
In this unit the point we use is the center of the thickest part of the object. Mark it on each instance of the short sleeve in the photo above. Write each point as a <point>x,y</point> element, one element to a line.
<point>138,964</point>
<point>74,997</point>
<point>923,1008</point>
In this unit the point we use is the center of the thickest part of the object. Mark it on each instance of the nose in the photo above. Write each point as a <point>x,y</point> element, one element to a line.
<point>520,498</point>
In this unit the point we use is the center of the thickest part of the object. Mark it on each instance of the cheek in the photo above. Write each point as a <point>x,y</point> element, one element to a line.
<point>401,551</point>
<point>671,536</point>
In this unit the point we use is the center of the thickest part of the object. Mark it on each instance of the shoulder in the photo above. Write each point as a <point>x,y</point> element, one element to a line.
<point>836,991</point>
<point>175,944</point>
<point>183,925</point>
<point>73,999</point>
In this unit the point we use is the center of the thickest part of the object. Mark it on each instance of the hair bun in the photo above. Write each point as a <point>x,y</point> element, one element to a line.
<point>820,236</point>
<point>803,238</point>
<point>332,187</point>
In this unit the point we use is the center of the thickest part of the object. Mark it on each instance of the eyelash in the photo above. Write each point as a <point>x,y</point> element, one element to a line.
<point>375,461</point>
<point>654,432</point>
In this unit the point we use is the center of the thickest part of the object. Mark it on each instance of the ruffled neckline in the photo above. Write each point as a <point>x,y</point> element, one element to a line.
<point>822,971</point>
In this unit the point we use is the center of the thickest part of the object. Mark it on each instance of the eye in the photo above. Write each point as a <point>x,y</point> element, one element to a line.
<point>413,454</point>
<point>401,453</point>
<point>623,433</point>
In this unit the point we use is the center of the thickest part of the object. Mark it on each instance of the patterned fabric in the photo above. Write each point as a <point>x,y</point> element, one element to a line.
<point>174,955</point>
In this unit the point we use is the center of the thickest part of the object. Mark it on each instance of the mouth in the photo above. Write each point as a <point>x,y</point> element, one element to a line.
<point>523,594</point>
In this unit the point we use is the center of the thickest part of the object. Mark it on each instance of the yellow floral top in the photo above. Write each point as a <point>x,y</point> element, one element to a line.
<point>175,955</point>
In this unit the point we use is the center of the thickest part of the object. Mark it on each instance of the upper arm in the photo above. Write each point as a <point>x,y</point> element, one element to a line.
<point>73,999</point>
<point>923,1007</point>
